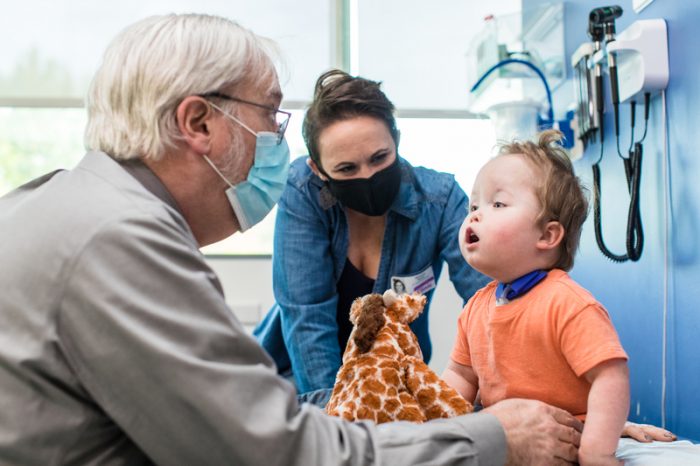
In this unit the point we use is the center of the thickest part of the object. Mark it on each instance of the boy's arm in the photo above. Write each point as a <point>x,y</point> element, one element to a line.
<point>608,406</point>
<point>463,379</point>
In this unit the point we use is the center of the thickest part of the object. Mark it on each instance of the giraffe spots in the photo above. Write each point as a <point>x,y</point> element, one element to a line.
<point>435,412</point>
<point>346,376</point>
<point>373,386</point>
<point>371,400</point>
<point>426,396</point>
<point>430,378</point>
<point>387,351</point>
<point>384,338</point>
<point>391,405</point>
<point>459,405</point>
<point>404,341</point>
<point>413,383</point>
<point>364,413</point>
<point>410,414</point>
<point>388,363</point>
<point>391,377</point>
<point>383,417</point>
<point>367,361</point>
<point>366,372</point>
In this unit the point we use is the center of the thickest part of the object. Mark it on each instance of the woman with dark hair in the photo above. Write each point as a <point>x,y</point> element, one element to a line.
<point>355,218</point>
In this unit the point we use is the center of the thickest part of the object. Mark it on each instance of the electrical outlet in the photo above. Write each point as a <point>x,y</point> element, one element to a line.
<point>639,5</point>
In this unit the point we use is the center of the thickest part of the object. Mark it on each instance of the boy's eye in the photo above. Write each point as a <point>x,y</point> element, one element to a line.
<point>472,208</point>
<point>498,205</point>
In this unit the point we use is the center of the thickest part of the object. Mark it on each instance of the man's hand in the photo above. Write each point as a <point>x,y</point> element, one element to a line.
<point>537,433</point>
<point>646,433</point>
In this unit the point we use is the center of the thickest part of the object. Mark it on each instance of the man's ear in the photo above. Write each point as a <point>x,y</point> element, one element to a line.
<point>552,236</point>
<point>314,168</point>
<point>194,117</point>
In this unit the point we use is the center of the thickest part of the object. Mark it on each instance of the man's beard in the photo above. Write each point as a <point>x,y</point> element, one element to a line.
<point>235,165</point>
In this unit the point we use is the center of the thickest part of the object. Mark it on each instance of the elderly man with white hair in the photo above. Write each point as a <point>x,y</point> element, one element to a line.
<point>116,344</point>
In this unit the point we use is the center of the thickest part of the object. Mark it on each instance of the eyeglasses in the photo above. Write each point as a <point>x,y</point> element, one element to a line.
<point>281,117</point>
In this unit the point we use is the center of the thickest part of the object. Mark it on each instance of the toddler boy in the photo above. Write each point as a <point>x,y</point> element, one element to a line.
<point>533,332</point>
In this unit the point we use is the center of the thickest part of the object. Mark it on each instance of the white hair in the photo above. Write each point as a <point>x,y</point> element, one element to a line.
<point>152,65</point>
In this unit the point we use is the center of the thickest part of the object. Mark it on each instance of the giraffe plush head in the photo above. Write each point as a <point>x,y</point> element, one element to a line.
<point>383,377</point>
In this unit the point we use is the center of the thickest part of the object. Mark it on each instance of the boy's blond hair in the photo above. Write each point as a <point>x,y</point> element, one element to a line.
<point>561,195</point>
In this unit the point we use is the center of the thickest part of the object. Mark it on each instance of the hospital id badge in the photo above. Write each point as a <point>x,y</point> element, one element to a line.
<point>421,282</point>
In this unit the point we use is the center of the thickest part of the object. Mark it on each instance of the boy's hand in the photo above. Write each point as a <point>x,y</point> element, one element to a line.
<point>646,433</point>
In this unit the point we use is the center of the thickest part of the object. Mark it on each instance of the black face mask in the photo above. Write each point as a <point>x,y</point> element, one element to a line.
<point>371,196</point>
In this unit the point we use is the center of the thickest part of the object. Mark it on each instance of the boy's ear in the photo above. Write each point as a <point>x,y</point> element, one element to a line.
<point>552,236</point>
<point>314,168</point>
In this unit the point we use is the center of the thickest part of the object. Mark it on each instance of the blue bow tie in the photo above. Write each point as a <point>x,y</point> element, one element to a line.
<point>519,286</point>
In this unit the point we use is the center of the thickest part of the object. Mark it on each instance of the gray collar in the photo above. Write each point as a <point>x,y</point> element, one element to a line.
<point>149,180</point>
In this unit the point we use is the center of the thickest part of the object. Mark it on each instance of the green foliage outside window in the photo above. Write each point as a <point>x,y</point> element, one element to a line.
<point>37,141</point>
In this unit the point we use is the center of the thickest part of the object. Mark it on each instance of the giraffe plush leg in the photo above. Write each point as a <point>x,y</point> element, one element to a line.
<point>435,397</point>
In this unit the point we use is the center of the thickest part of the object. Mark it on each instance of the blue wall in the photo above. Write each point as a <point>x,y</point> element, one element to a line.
<point>634,293</point>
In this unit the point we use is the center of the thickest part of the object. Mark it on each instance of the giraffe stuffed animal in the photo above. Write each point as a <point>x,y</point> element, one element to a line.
<point>383,377</point>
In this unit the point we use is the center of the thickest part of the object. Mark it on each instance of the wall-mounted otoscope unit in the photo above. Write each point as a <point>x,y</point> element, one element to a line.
<point>636,61</point>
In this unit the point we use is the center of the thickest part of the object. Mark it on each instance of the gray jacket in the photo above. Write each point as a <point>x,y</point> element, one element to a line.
<point>116,346</point>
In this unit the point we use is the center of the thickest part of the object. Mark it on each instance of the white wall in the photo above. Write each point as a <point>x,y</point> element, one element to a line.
<point>248,289</point>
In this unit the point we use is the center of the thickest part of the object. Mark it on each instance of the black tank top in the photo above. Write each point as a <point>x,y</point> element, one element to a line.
<point>352,284</point>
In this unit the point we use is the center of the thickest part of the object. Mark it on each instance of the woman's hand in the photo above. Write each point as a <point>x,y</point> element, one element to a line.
<point>646,433</point>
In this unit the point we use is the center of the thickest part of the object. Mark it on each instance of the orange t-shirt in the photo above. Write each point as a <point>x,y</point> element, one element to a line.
<point>537,346</point>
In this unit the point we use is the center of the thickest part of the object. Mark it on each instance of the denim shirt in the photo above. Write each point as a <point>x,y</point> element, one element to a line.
<point>310,250</point>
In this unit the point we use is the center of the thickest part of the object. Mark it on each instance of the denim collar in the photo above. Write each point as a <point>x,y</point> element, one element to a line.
<point>405,204</point>
<point>508,291</point>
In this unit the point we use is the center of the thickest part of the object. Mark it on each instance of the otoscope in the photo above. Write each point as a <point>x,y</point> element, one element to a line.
<point>595,32</point>
<point>604,18</point>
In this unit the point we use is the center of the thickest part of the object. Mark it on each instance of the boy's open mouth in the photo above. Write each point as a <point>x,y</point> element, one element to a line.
<point>471,236</point>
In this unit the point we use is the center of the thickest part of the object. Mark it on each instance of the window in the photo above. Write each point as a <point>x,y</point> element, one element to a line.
<point>50,57</point>
<point>48,60</point>
<point>35,141</point>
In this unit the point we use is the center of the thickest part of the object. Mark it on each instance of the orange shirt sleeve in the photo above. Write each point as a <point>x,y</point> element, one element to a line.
<point>588,338</point>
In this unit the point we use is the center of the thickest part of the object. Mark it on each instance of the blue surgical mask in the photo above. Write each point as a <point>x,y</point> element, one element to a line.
<point>254,198</point>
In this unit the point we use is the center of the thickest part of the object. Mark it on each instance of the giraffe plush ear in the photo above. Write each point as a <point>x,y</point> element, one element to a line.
<point>408,306</point>
<point>416,302</point>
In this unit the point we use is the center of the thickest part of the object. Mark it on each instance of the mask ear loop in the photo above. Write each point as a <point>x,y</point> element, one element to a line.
<point>217,170</point>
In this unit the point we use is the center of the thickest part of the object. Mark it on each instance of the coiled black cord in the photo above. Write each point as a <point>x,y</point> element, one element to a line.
<point>633,174</point>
